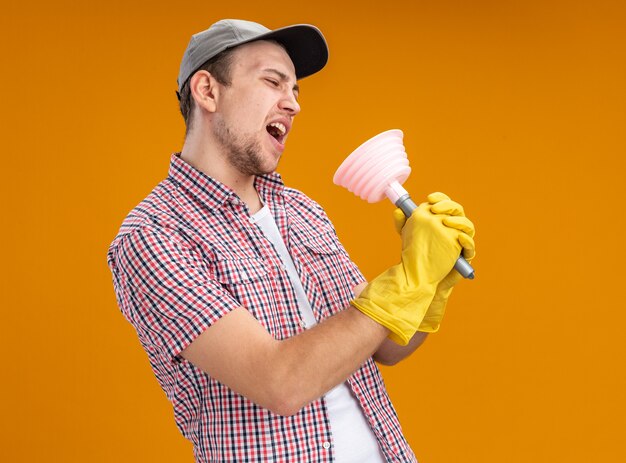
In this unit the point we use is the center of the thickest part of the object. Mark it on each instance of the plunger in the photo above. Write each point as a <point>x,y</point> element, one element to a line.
<point>378,168</point>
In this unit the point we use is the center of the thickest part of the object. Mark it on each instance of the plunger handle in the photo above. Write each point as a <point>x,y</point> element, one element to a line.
<point>407,205</point>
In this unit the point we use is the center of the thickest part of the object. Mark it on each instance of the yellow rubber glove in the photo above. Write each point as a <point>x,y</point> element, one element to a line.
<point>442,204</point>
<point>399,297</point>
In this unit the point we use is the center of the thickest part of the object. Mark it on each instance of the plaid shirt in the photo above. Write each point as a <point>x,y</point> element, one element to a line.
<point>186,256</point>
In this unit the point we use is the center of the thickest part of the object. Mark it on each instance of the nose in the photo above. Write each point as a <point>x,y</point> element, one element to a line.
<point>289,103</point>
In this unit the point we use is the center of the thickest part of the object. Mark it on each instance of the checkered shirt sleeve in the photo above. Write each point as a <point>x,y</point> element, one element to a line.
<point>170,295</point>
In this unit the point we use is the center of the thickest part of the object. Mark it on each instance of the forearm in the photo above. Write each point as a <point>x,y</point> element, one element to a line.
<point>283,376</point>
<point>390,353</point>
<point>313,362</point>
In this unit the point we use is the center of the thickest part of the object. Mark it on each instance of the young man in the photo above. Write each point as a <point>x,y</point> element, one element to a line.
<point>259,328</point>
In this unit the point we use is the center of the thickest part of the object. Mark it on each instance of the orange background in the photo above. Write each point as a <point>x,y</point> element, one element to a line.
<point>516,109</point>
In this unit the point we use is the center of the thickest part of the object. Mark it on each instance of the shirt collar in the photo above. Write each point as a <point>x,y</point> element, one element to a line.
<point>269,185</point>
<point>214,193</point>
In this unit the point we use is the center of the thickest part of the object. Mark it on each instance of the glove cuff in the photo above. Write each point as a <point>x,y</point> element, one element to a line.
<point>399,328</point>
<point>402,318</point>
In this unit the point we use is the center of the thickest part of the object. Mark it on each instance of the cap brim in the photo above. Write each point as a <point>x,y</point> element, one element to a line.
<point>305,45</point>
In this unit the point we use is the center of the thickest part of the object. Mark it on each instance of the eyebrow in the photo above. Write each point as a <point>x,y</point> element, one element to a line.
<point>284,77</point>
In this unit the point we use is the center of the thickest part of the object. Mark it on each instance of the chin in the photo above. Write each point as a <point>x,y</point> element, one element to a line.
<point>264,169</point>
<point>268,170</point>
<point>270,166</point>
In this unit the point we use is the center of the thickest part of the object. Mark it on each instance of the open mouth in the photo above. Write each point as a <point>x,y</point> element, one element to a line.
<point>277,130</point>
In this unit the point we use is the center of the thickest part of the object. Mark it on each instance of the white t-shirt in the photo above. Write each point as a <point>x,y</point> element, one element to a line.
<point>353,438</point>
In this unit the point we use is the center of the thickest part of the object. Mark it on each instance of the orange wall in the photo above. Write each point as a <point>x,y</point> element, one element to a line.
<point>516,109</point>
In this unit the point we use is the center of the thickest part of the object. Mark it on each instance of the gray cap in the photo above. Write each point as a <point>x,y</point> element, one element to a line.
<point>304,43</point>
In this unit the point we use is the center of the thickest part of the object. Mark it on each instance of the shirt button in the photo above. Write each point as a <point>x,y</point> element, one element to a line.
<point>326,445</point>
<point>302,324</point>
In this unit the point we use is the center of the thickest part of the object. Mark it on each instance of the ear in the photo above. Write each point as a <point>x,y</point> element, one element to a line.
<point>204,90</point>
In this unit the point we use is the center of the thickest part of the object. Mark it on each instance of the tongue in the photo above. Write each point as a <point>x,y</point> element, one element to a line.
<point>273,131</point>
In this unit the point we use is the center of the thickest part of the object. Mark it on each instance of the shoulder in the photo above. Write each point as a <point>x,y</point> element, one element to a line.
<point>157,217</point>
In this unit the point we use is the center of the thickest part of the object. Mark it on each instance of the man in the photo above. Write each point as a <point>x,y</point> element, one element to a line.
<point>258,327</point>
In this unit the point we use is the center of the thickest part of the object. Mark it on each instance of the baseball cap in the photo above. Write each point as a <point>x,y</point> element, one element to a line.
<point>305,45</point>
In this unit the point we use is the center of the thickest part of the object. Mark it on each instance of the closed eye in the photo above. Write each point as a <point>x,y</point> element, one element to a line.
<point>273,82</point>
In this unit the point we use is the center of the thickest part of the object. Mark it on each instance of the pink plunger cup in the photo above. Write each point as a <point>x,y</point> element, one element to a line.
<point>378,168</point>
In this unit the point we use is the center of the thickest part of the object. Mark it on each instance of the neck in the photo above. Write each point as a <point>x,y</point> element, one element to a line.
<point>204,154</point>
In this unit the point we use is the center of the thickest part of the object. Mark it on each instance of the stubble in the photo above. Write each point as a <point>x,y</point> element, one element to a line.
<point>244,152</point>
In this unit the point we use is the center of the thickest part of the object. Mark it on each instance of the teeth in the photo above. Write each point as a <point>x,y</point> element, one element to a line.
<point>279,126</point>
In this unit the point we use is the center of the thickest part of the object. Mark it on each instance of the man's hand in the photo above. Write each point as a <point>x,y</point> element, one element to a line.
<point>400,297</point>
<point>441,204</point>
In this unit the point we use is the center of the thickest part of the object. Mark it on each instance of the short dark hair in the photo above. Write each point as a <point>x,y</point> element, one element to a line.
<point>219,67</point>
